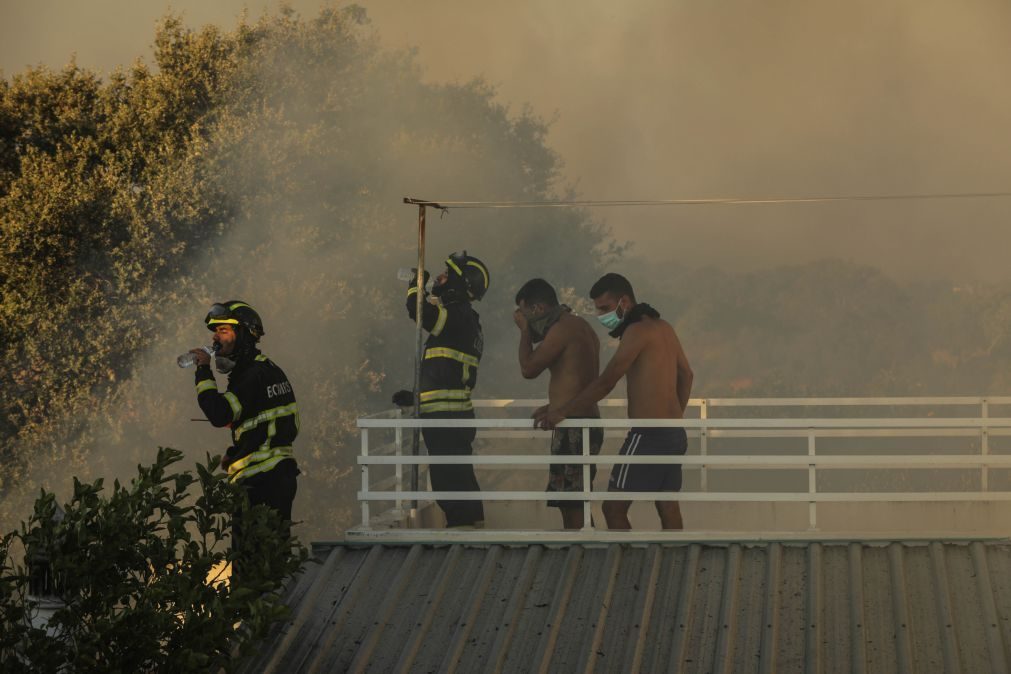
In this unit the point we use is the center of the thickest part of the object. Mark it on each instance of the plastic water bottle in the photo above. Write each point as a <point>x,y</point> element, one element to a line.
<point>189,358</point>
<point>408,273</point>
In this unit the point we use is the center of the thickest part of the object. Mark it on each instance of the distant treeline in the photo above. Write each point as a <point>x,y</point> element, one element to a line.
<point>834,328</point>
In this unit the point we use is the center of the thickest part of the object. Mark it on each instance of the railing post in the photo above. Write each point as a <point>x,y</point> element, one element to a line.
<point>984,447</point>
<point>399,469</point>
<point>812,484</point>
<point>703,444</point>
<point>587,506</point>
<point>365,480</point>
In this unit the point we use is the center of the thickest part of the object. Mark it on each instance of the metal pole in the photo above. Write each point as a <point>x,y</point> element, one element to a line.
<point>399,470</point>
<point>812,485</point>
<point>587,517</point>
<point>984,447</point>
<point>419,300</point>
<point>704,445</point>
<point>365,480</point>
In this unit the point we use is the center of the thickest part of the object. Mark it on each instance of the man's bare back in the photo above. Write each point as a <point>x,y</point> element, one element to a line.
<point>653,384</point>
<point>577,365</point>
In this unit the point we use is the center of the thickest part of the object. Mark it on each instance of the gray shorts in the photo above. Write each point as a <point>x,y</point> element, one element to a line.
<point>569,476</point>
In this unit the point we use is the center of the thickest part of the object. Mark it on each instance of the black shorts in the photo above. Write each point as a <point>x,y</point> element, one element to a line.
<point>644,476</point>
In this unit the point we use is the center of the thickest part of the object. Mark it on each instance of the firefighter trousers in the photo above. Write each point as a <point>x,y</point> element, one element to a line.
<point>459,477</point>
<point>276,489</point>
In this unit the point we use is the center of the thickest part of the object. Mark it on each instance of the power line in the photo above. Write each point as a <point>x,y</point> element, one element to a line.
<point>726,201</point>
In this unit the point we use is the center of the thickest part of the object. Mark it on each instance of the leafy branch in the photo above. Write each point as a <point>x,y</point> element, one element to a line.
<point>139,573</point>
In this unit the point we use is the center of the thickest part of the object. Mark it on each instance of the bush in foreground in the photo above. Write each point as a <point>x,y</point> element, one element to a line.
<point>141,574</point>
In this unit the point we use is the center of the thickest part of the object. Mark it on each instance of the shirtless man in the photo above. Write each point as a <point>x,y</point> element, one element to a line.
<point>659,381</point>
<point>569,349</point>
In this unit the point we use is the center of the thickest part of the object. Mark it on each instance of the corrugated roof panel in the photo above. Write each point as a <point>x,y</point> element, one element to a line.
<point>541,608</point>
<point>495,627</point>
<point>837,595</point>
<point>445,619</point>
<point>662,607</point>
<point>703,619</point>
<point>966,648</point>
<point>669,607</point>
<point>747,626</point>
<point>490,613</point>
<point>402,610</point>
<point>632,592</point>
<point>881,644</point>
<point>386,585</point>
<point>975,612</point>
<point>998,563</point>
<point>786,632</point>
<point>921,607</point>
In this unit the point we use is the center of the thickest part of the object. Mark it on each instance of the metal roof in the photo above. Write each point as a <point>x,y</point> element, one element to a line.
<point>651,607</point>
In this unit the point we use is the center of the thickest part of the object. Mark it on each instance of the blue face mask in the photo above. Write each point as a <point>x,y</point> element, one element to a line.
<point>611,319</point>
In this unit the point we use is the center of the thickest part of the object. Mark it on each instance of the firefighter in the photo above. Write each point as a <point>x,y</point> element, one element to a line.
<point>448,374</point>
<point>259,407</point>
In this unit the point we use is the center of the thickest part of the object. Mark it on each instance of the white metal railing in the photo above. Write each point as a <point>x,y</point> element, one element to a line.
<point>980,425</point>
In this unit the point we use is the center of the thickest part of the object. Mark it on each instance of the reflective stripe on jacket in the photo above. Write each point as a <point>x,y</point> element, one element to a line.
<point>452,354</point>
<point>259,406</point>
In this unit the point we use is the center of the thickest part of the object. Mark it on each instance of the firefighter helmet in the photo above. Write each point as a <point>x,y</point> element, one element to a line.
<point>237,313</point>
<point>471,271</point>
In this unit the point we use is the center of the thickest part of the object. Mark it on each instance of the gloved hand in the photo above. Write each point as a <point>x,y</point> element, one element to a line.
<point>403,398</point>
<point>228,457</point>
<point>414,279</point>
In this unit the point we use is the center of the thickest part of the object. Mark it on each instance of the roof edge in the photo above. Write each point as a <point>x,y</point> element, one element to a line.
<point>358,538</point>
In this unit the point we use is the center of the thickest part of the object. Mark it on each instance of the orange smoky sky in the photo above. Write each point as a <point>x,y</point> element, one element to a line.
<point>653,99</point>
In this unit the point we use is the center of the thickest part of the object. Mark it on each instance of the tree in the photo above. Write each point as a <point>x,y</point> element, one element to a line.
<point>265,163</point>
<point>101,204</point>
<point>140,572</point>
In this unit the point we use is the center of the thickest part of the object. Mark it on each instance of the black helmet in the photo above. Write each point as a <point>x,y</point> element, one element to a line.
<point>237,313</point>
<point>471,271</point>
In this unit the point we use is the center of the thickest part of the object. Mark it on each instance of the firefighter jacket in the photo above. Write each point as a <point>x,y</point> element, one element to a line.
<point>452,353</point>
<point>259,406</point>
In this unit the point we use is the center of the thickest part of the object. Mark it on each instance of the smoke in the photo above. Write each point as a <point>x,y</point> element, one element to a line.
<point>649,100</point>
<point>663,100</point>
<point>323,134</point>
<point>655,99</point>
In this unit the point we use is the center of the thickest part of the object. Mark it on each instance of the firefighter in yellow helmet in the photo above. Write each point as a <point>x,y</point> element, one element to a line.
<point>258,405</point>
<point>448,375</point>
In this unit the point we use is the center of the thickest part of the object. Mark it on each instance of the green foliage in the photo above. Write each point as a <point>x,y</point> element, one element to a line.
<point>101,201</point>
<point>266,163</point>
<point>140,572</point>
